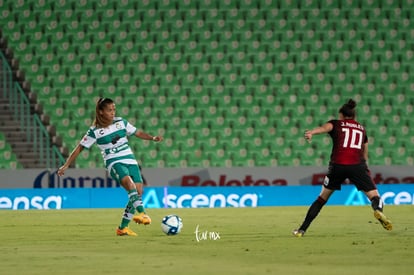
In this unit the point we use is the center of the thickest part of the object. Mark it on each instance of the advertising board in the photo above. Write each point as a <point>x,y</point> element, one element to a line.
<point>195,197</point>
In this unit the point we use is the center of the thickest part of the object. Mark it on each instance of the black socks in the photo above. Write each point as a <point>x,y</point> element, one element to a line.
<point>376,203</point>
<point>313,211</point>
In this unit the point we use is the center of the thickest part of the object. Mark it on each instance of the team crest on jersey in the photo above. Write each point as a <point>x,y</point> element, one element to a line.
<point>118,125</point>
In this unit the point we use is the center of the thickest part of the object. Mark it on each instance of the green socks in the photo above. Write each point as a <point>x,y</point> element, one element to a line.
<point>134,204</point>
<point>127,216</point>
<point>136,201</point>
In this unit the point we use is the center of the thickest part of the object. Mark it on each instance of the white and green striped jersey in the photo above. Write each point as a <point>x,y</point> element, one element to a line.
<point>112,141</point>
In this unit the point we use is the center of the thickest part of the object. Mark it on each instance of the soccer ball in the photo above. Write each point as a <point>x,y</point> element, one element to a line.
<point>171,224</point>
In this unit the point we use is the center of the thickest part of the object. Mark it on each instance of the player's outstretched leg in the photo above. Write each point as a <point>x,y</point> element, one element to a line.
<point>136,200</point>
<point>313,211</point>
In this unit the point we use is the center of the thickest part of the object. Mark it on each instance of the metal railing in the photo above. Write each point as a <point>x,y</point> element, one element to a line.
<point>31,124</point>
<point>6,74</point>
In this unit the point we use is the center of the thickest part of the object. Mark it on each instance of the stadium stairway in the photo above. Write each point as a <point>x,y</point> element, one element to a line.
<point>20,151</point>
<point>14,136</point>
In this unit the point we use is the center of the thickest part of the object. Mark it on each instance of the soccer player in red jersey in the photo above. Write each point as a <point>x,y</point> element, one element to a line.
<point>348,160</point>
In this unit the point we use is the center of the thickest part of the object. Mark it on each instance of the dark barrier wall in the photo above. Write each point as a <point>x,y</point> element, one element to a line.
<point>195,177</point>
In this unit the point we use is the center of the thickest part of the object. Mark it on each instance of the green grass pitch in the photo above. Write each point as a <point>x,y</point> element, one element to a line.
<point>342,240</point>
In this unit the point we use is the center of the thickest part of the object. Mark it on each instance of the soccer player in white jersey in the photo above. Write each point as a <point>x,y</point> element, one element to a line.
<point>111,134</point>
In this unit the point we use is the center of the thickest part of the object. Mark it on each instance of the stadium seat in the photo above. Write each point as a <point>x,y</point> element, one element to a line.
<point>9,159</point>
<point>252,67</point>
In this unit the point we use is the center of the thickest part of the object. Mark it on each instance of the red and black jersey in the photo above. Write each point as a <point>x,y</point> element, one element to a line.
<point>348,137</point>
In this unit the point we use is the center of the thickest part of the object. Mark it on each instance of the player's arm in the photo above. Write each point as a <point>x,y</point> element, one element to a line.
<point>325,128</point>
<point>75,153</point>
<point>365,151</point>
<point>143,135</point>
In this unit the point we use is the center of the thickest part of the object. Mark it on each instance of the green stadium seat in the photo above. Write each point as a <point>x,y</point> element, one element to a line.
<point>221,64</point>
<point>9,159</point>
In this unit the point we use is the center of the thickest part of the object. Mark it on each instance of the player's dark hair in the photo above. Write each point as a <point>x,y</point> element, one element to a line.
<point>100,121</point>
<point>348,109</point>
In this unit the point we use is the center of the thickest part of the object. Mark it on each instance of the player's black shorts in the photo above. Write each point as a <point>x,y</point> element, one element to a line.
<point>358,175</point>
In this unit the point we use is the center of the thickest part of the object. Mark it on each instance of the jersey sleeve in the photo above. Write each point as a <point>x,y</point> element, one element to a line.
<point>333,122</point>
<point>130,129</point>
<point>88,139</point>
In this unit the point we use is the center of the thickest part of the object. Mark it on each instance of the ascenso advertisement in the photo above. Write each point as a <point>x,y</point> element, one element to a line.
<point>195,197</point>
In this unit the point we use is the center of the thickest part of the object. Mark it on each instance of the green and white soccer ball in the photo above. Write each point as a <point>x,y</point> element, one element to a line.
<point>171,224</point>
